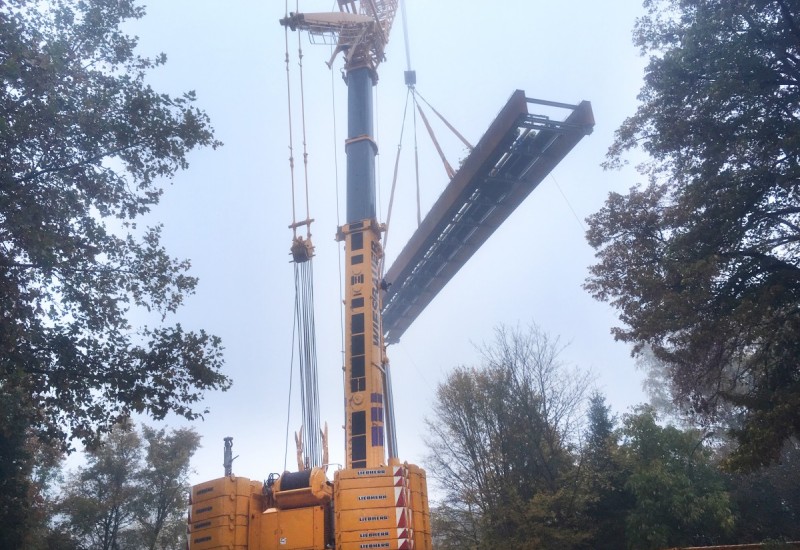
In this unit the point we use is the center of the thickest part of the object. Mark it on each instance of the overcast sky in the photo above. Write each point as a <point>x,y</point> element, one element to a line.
<point>230,211</point>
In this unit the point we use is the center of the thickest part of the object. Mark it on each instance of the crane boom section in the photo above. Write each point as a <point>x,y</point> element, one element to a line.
<point>364,355</point>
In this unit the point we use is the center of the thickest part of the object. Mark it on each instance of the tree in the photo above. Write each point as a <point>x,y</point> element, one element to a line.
<point>85,148</point>
<point>703,262</point>
<point>133,491</point>
<point>502,441</point>
<point>767,502</point>
<point>99,499</point>
<point>162,483</point>
<point>679,497</point>
<point>28,469</point>
<point>607,500</point>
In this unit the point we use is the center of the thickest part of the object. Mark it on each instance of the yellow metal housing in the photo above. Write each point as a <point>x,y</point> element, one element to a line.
<point>222,514</point>
<point>363,388</point>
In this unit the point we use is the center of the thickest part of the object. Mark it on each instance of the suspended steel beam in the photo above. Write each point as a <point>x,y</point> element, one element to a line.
<point>514,155</point>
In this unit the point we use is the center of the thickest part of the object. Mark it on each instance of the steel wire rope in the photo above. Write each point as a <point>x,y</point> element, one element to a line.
<point>291,378</point>
<point>416,159</point>
<point>289,110</point>
<point>303,124</point>
<point>394,177</point>
<point>303,326</point>
<point>294,229</point>
<point>338,224</point>
<point>377,119</point>
<point>405,33</point>
<point>569,204</point>
<point>308,373</point>
<point>308,356</point>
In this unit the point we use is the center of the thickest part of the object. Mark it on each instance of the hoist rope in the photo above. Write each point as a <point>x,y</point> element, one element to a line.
<point>338,224</point>
<point>289,109</point>
<point>405,33</point>
<point>416,170</point>
<point>377,119</point>
<point>303,329</point>
<point>303,120</point>
<point>309,387</point>
<point>289,404</point>
<point>394,177</point>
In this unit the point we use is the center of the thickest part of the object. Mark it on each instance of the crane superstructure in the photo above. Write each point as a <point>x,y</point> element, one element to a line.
<point>376,501</point>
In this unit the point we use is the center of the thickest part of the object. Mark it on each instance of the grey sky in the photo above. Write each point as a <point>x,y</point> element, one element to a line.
<point>229,213</point>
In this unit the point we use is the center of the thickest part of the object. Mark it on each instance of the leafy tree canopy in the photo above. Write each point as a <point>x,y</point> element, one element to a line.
<point>85,148</point>
<point>679,497</point>
<point>607,501</point>
<point>703,261</point>
<point>502,439</point>
<point>132,493</point>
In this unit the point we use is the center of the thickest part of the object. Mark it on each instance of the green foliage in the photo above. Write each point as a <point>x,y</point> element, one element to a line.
<point>767,502</point>
<point>703,262</point>
<point>85,148</point>
<point>160,505</point>
<point>132,492</point>
<point>501,442</point>
<point>98,499</point>
<point>644,485</point>
<point>28,467</point>
<point>679,497</point>
<point>607,500</point>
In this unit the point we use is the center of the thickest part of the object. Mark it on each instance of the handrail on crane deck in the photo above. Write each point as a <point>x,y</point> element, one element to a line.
<point>514,155</point>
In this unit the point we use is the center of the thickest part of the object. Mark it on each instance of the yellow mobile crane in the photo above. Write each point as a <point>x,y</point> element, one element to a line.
<point>377,501</point>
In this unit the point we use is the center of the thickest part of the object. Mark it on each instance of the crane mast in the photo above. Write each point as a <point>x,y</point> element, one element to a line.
<point>360,32</point>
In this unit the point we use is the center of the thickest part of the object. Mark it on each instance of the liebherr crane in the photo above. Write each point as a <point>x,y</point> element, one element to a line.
<point>376,500</point>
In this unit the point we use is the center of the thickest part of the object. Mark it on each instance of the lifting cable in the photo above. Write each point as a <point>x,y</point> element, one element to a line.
<point>389,422</point>
<point>416,164</point>
<point>394,177</point>
<point>391,435</point>
<point>411,78</point>
<point>307,356</point>
<point>309,441</point>
<point>414,94</point>
<point>338,224</point>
